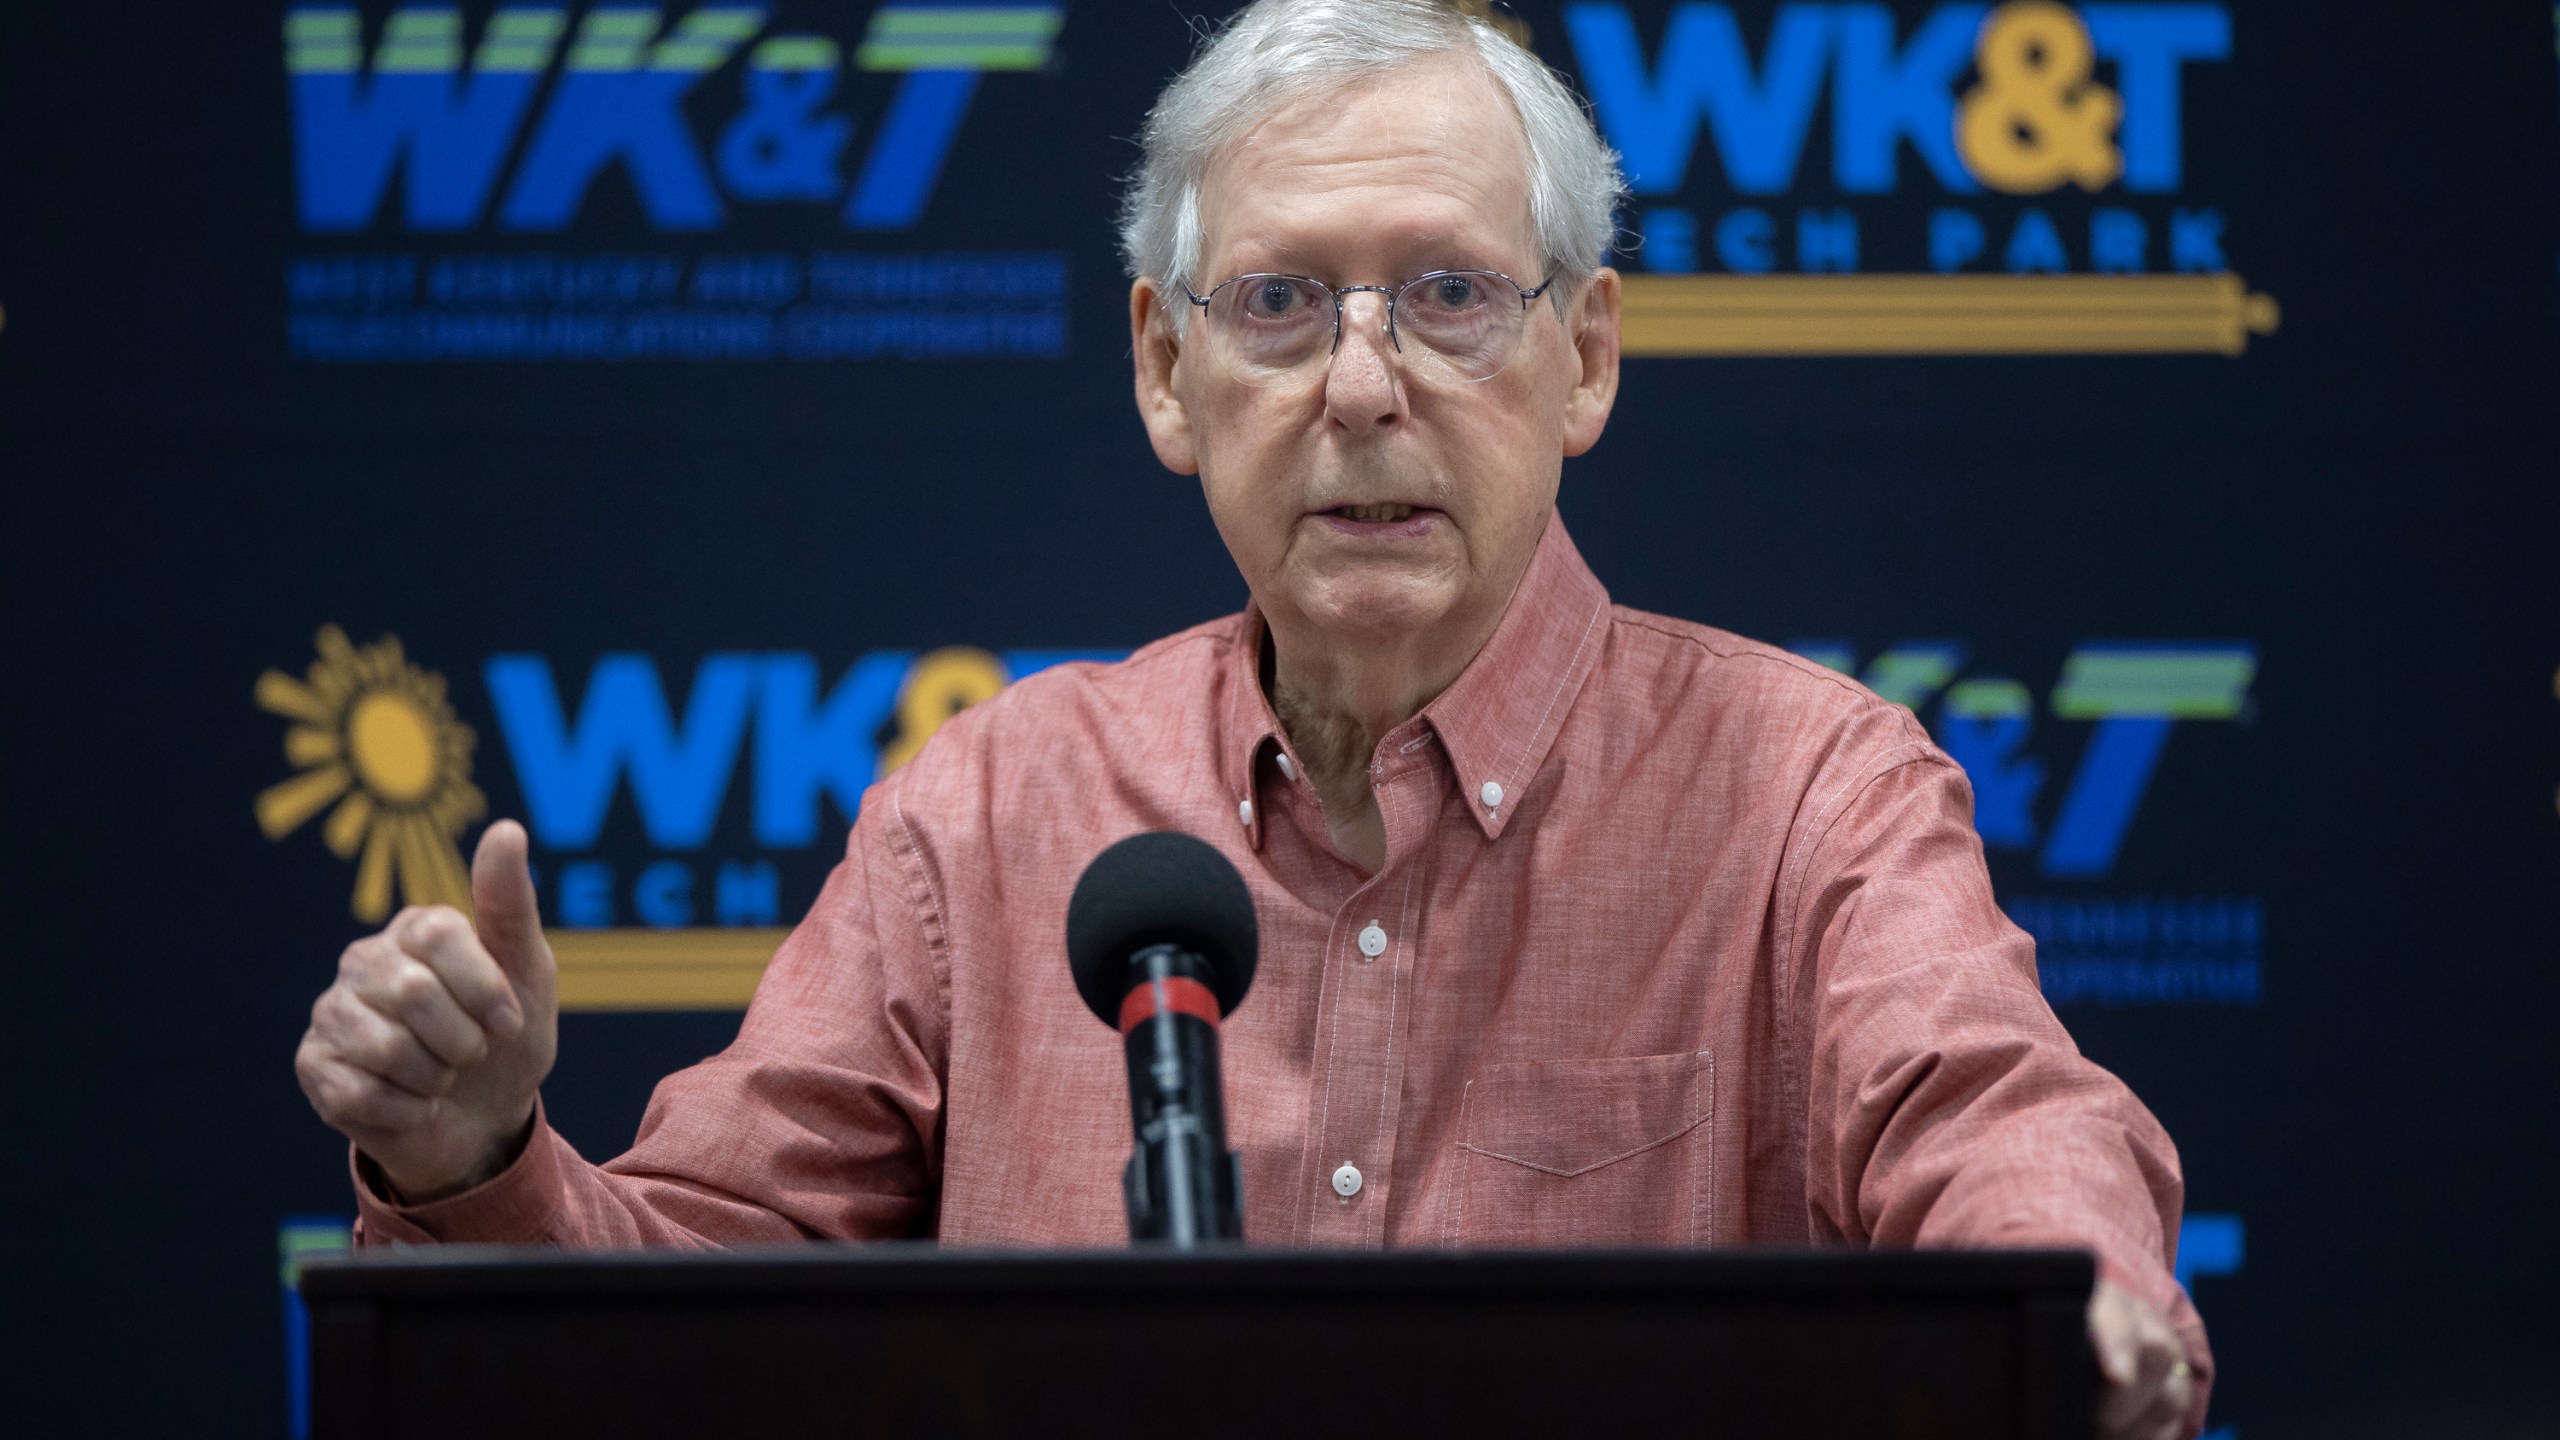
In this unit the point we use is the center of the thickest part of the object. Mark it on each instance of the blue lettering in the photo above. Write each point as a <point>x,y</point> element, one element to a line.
<point>2148,44</point>
<point>1955,238</point>
<point>356,282</point>
<point>2004,787</point>
<point>2035,245</point>
<point>1704,73</point>
<point>761,280</point>
<point>2195,241</point>
<point>1670,242</point>
<point>2118,242</point>
<point>568,773</point>
<point>2114,771</point>
<point>1826,240</point>
<point>746,894</point>
<point>804,749</point>
<point>778,148</point>
<point>2210,1245</point>
<point>1743,242</point>
<point>586,895</point>
<point>1879,100</point>
<point>350,130</point>
<point>615,103</point>
<point>1983,725</point>
<point>906,156</point>
<point>663,895</point>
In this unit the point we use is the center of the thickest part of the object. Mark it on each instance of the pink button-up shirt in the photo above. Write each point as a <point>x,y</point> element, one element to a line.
<point>1680,940</point>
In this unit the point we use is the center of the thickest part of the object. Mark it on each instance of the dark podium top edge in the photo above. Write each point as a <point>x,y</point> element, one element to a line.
<point>913,1267</point>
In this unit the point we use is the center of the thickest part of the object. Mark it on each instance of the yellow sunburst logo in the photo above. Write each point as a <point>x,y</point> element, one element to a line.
<point>375,736</point>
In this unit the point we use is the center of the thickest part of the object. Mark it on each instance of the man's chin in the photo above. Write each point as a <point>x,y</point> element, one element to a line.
<point>1378,603</point>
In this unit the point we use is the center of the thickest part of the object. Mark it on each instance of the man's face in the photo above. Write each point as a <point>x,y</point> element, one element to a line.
<point>1377,495</point>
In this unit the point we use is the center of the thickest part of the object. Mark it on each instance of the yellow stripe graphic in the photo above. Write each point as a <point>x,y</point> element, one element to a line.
<point>1773,315</point>
<point>626,969</point>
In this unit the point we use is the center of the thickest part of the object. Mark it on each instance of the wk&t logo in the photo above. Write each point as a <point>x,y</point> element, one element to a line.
<point>2090,948</point>
<point>677,827</point>
<point>513,131</point>
<point>2052,211</point>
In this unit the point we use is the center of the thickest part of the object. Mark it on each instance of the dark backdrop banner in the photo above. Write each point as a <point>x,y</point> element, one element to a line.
<point>652,421</point>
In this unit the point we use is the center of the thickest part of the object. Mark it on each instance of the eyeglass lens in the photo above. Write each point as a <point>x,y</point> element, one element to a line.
<point>1271,328</point>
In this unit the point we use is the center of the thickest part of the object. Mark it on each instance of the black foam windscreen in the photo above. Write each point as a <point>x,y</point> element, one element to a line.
<point>1159,888</point>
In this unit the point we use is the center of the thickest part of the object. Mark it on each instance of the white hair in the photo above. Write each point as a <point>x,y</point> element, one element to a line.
<point>1278,52</point>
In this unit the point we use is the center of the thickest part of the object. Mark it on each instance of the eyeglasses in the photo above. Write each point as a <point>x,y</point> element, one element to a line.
<point>1271,329</point>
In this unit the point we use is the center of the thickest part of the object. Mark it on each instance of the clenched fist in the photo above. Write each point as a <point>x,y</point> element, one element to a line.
<point>428,1050</point>
<point>2149,1387</point>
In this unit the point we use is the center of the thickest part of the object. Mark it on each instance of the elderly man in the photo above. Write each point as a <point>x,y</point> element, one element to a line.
<point>1580,925</point>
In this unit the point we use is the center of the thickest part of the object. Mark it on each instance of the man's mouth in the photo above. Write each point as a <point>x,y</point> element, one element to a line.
<point>1387,514</point>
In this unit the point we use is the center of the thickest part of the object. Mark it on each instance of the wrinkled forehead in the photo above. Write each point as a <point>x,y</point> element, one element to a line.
<point>1425,165</point>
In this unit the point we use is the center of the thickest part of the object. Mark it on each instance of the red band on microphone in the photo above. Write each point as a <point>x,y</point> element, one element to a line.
<point>1173,995</point>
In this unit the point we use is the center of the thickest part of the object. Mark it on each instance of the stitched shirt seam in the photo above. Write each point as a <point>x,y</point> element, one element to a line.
<point>1694,1122</point>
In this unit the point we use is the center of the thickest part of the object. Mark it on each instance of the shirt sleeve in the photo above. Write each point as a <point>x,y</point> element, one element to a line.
<point>1946,1105</point>
<point>823,1120</point>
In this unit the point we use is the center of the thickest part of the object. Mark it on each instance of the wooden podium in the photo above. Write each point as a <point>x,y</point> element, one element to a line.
<point>821,1341</point>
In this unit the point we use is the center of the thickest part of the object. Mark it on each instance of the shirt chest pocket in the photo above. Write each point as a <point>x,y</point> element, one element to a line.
<point>1588,1152</point>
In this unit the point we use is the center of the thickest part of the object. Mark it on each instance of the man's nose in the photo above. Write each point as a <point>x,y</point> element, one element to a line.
<point>1363,387</point>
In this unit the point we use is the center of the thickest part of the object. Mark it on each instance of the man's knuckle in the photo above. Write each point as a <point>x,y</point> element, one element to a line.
<point>384,1047</point>
<point>441,925</point>
<point>336,1095</point>
<point>414,986</point>
<point>336,1015</point>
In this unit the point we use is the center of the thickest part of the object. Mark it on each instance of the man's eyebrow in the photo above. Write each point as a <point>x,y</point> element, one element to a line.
<point>1420,257</point>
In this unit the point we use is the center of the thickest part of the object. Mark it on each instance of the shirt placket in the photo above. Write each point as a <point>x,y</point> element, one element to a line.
<point>1369,970</point>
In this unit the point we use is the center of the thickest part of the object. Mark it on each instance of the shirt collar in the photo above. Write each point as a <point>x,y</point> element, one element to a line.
<point>1500,717</point>
<point>1497,720</point>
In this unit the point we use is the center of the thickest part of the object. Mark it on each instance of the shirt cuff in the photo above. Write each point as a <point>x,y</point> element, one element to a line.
<point>520,1205</point>
<point>2147,1280</point>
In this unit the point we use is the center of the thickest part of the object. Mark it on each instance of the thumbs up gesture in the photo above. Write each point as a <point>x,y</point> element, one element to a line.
<point>428,1050</point>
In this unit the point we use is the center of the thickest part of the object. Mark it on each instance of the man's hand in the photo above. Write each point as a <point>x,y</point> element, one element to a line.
<point>429,1048</point>
<point>2144,1364</point>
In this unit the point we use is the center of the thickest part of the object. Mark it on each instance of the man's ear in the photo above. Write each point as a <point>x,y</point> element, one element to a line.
<point>1595,344</point>
<point>1154,348</point>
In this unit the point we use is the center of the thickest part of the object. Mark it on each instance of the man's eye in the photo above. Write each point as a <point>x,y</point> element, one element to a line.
<point>1454,292</point>
<point>1274,298</point>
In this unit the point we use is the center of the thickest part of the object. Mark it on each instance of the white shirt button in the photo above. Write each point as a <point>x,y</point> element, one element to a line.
<point>1288,769</point>
<point>1373,941</point>
<point>1244,811</point>
<point>1346,1181</point>
<point>1491,794</point>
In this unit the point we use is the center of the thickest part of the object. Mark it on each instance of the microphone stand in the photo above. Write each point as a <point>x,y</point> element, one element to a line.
<point>1183,1185</point>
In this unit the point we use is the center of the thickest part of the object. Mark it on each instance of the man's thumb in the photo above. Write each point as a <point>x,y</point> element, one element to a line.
<point>503,908</point>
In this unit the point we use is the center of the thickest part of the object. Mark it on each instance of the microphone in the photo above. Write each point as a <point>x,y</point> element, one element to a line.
<point>1161,939</point>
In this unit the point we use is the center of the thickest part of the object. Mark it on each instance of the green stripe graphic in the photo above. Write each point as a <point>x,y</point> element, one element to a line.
<point>612,39</point>
<point>520,41</point>
<point>2186,683</point>
<point>797,52</point>
<point>298,1242</point>
<point>1988,699</point>
<point>322,42</point>
<point>960,38</point>
<point>420,41</point>
<point>705,40</point>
